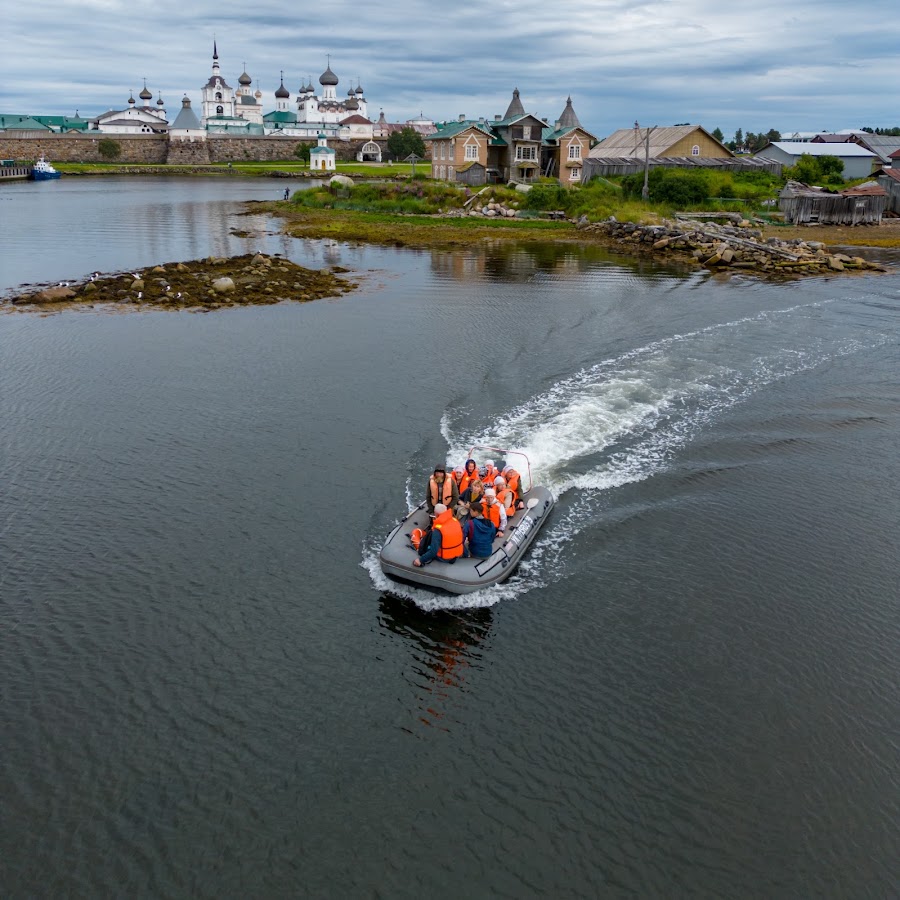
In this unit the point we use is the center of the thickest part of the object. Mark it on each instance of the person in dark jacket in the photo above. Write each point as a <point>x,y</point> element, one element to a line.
<point>479,533</point>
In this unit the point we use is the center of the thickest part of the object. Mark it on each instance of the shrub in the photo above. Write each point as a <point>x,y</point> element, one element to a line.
<point>109,149</point>
<point>546,197</point>
<point>677,187</point>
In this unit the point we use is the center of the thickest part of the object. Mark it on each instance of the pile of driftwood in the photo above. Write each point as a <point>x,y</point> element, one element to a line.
<point>737,246</point>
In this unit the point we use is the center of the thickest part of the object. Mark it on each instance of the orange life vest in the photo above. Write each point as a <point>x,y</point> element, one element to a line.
<point>491,472</point>
<point>468,478</point>
<point>512,481</point>
<point>451,535</point>
<point>491,512</point>
<point>444,496</point>
<point>508,498</point>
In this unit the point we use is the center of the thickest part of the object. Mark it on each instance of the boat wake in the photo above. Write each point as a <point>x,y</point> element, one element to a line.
<point>624,420</point>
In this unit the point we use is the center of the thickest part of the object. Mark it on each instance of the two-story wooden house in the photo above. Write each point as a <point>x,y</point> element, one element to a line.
<point>517,147</point>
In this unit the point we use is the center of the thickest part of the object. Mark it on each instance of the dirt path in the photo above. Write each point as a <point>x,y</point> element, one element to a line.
<point>885,235</point>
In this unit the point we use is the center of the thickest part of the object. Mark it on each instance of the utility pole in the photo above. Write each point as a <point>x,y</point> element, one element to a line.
<point>645,190</point>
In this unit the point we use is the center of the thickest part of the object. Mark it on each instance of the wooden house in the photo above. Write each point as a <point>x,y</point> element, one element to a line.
<point>455,146</point>
<point>671,141</point>
<point>518,147</point>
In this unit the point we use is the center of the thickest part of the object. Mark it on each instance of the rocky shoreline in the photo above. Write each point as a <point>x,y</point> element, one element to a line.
<point>739,247</point>
<point>206,284</point>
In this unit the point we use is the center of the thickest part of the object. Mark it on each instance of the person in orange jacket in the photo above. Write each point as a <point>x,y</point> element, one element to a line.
<point>488,473</point>
<point>513,482</point>
<point>470,474</point>
<point>441,489</point>
<point>494,511</point>
<point>446,541</point>
<point>505,496</point>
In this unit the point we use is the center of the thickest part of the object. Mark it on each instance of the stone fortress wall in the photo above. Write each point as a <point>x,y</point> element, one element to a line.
<point>157,149</point>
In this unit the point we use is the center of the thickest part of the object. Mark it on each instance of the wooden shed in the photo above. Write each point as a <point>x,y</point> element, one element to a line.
<point>889,179</point>
<point>471,173</point>
<point>863,205</point>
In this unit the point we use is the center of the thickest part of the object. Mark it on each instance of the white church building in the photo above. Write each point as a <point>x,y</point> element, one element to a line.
<point>134,119</point>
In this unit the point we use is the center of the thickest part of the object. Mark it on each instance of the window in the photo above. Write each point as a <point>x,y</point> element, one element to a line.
<point>219,110</point>
<point>218,95</point>
<point>526,152</point>
<point>575,174</point>
<point>695,150</point>
<point>471,151</point>
<point>574,151</point>
<point>526,132</point>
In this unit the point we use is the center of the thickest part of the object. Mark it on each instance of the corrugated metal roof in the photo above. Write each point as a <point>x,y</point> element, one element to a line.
<point>893,174</point>
<point>870,189</point>
<point>798,148</point>
<point>629,142</point>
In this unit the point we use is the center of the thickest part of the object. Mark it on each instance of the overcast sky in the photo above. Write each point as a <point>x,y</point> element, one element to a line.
<point>755,65</point>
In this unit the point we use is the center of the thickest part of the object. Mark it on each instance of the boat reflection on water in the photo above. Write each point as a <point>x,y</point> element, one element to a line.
<point>446,647</point>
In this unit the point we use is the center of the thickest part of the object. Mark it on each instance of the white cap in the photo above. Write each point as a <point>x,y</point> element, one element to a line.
<point>489,492</point>
<point>439,508</point>
<point>499,481</point>
<point>489,462</point>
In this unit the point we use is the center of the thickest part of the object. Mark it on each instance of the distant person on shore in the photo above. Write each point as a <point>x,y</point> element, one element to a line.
<point>287,194</point>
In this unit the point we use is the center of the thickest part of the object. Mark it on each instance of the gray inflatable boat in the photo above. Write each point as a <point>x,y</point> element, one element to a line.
<point>462,576</point>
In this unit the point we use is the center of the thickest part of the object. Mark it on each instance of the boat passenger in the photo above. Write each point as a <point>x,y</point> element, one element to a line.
<point>513,482</point>
<point>475,491</point>
<point>470,474</point>
<point>506,497</point>
<point>489,473</point>
<point>441,489</point>
<point>458,474</point>
<point>479,534</point>
<point>493,510</point>
<point>446,540</point>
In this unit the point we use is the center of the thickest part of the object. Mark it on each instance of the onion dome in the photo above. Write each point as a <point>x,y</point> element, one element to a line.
<point>160,101</point>
<point>282,91</point>
<point>328,77</point>
<point>309,88</point>
<point>352,103</point>
<point>359,90</point>
<point>245,79</point>
<point>351,92</point>
<point>145,94</point>
<point>258,94</point>
<point>131,99</point>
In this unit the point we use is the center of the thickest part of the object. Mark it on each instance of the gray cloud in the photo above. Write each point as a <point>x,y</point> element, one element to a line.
<point>755,66</point>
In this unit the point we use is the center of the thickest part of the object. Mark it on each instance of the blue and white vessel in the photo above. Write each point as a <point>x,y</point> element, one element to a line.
<point>43,171</point>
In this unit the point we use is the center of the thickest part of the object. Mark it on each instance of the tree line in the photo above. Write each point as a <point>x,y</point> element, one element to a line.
<point>749,142</point>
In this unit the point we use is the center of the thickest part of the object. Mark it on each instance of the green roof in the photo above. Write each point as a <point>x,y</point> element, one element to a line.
<point>23,123</point>
<point>64,123</point>
<point>284,117</point>
<point>451,129</point>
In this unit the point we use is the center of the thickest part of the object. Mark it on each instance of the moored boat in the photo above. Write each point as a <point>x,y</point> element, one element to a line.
<point>43,171</point>
<point>464,575</point>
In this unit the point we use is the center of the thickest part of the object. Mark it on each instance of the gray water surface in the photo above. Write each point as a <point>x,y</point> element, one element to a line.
<point>207,688</point>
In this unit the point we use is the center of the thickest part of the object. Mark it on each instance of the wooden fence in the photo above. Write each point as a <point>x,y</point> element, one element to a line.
<point>631,165</point>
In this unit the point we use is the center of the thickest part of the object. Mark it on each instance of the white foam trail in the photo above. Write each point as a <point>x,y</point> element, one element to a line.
<point>635,411</point>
